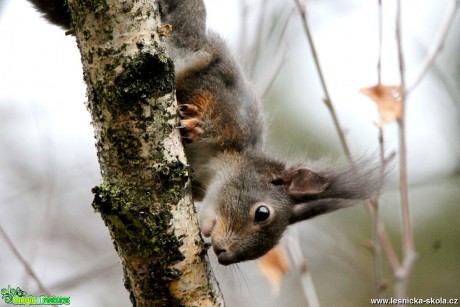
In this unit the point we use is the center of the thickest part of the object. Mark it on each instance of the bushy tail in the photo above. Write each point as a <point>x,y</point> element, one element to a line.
<point>55,11</point>
<point>360,179</point>
<point>188,18</point>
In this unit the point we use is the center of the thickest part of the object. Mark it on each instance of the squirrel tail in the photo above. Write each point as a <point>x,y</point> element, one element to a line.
<point>55,11</point>
<point>188,18</point>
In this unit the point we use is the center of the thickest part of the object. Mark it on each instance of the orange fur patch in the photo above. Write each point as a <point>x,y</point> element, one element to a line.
<point>204,101</point>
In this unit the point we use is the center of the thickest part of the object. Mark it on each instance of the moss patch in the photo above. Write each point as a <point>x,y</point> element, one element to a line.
<point>142,237</point>
<point>81,7</point>
<point>146,75</point>
<point>131,212</point>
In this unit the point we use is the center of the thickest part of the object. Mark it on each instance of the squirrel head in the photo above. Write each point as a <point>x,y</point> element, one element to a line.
<point>252,199</point>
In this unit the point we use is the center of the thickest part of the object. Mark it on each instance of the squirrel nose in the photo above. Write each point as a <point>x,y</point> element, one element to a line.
<point>224,256</point>
<point>219,250</point>
<point>223,250</point>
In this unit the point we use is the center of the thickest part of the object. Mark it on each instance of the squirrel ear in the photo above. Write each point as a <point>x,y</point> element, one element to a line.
<point>309,189</point>
<point>313,194</point>
<point>303,182</point>
<point>335,186</point>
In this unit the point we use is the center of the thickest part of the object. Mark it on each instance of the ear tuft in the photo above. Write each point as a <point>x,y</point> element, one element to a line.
<point>334,186</point>
<point>304,182</point>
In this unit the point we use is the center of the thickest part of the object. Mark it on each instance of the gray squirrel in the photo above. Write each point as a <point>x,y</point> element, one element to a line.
<point>248,198</point>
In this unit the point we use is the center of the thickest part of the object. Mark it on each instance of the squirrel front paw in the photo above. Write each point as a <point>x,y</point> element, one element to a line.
<point>191,126</point>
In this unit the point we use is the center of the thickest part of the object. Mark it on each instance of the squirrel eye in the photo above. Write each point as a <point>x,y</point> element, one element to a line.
<point>262,213</point>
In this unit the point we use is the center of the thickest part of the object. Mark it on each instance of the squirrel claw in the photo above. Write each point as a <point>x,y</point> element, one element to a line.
<point>188,110</point>
<point>186,140</point>
<point>191,129</point>
<point>192,136</point>
<point>191,123</point>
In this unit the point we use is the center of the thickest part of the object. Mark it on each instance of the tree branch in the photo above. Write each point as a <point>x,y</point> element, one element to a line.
<point>436,47</point>
<point>145,195</point>
<point>404,270</point>
<point>24,263</point>
<point>327,98</point>
<point>306,279</point>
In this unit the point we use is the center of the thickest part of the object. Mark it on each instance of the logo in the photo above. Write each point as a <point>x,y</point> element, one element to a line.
<point>18,297</point>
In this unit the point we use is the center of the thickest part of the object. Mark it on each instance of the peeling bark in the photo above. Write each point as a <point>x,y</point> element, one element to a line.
<point>144,198</point>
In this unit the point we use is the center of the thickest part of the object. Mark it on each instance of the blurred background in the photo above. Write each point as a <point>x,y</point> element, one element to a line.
<point>48,162</point>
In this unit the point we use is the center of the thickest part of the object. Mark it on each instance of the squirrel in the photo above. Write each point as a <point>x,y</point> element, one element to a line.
<point>248,197</point>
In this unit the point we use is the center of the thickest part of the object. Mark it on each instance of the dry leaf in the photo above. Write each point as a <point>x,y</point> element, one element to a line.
<point>388,99</point>
<point>274,265</point>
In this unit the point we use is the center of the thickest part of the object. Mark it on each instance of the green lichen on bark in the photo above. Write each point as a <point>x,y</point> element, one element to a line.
<point>145,75</point>
<point>79,13</point>
<point>129,209</point>
<point>131,99</point>
<point>142,234</point>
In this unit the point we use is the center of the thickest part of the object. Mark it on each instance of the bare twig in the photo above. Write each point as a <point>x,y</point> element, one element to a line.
<point>244,25</point>
<point>373,203</point>
<point>373,209</point>
<point>25,264</point>
<point>379,230</point>
<point>305,276</point>
<point>407,236</point>
<point>327,99</point>
<point>279,56</point>
<point>437,45</point>
<point>94,272</point>
<point>285,27</point>
<point>408,240</point>
<point>267,84</point>
<point>381,239</point>
<point>258,44</point>
<point>387,248</point>
<point>379,61</point>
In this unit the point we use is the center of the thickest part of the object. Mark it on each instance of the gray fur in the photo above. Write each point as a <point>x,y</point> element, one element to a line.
<point>234,173</point>
<point>237,181</point>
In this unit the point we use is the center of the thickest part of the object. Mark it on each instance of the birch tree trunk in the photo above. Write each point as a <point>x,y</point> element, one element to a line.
<point>144,198</point>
